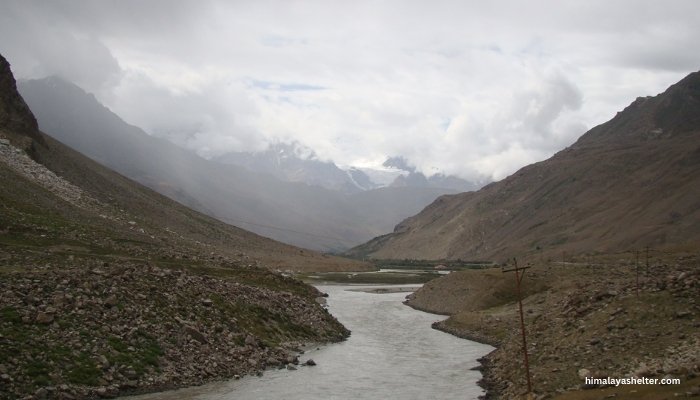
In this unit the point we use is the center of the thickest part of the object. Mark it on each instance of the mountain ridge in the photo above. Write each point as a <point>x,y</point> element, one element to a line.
<point>630,182</point>
<point>304,215</point>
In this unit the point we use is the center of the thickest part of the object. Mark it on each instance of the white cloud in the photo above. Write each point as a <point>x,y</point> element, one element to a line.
<point>473,88</point>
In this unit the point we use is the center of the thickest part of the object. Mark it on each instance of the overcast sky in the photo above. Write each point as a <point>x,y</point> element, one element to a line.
<point>473,88</point>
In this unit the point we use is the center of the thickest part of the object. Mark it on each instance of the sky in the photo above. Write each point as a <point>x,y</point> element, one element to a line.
<point>472,88</point>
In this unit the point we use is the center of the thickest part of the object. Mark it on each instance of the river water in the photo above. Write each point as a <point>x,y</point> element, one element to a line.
<point>393,353</point>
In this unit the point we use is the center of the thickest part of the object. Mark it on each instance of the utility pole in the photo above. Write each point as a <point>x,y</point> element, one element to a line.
<point>636,267</point>
<point>647,249</point>
<point>518,280</point>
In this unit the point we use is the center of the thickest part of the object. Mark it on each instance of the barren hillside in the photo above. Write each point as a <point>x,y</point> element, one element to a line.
<point>630,182</point>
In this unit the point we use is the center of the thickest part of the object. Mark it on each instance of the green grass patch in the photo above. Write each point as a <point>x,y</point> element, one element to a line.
<point>83,370</point>
<point>146,352</point>
<point>10,315</point>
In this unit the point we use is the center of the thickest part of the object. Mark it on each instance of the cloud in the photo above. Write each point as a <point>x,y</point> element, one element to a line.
<point>39,47</point>
<point>472,88</point>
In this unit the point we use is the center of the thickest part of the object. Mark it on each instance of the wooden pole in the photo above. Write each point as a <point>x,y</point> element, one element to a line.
<point>647,248</point>
<point>636,267</point>
<point>518,279</point>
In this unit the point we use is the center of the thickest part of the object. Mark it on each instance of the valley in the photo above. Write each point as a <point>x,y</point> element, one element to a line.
<point>298,227</point>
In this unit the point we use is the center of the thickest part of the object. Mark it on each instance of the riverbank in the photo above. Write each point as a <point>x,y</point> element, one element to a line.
<point>392,354</point>
<point>81,328</point>
<point>581,321</point>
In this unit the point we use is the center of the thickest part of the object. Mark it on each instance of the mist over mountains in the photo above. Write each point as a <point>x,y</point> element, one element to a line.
<point>631,182</point>
<point>294,162</point>
<point>284,193</point>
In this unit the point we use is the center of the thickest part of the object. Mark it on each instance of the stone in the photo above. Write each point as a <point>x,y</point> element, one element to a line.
<point>250,340</point>
<point>207,302</point>
<point>41,393</point>
<point>44,318</point>
<point>111,301</point>
<point>102,391</point>
<point>196,335</point>
<point>292,359</point>
<point>310,363</point>
<point>583,373</point>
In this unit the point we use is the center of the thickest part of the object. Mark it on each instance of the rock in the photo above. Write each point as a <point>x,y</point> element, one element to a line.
<point>111,301</point>
<point>291,359</point>
<point>310,363</point>
<point>207,302</point>
<point>583,373</point>
<point>44,318</point>
<point>642,371</point>
<point>195,334</point>
<point>250,340</point>
<point>271,361</point>
<point>683,314</point>
<point>102,391</point>
<point>290,367</point>
<point>41,393</point>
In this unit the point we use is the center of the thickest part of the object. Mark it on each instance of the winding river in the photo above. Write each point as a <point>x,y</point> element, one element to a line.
<point>392,354</point>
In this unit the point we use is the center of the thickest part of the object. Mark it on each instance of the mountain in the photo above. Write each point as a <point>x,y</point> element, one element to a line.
<point>109,288</point>
<point>293,162</point>
<point>308,216</point>
<point>631,182</point>
<point>411,177</point>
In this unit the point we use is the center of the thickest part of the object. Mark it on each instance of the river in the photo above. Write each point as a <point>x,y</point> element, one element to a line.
<point>393,353</point>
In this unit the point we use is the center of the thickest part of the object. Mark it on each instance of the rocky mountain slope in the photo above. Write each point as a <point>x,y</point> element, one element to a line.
<point>287,210</point>
<point>107,287</point>
<point>630,182</point>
